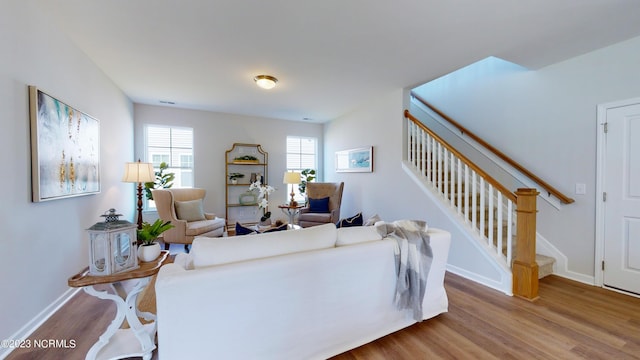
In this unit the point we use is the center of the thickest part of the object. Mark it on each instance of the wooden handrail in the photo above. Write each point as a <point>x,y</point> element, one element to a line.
<point>506,192</point>
<point>550,189</point>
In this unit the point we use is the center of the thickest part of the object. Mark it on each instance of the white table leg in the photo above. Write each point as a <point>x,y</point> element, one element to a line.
<point>125,308</point>
<point>291,213</point>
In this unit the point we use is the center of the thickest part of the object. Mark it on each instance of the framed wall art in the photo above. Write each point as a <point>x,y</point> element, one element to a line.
<point>65,149</point>
<point>355,160</point>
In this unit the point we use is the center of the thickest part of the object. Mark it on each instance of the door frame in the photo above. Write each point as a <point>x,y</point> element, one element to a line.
<point>600,174</point>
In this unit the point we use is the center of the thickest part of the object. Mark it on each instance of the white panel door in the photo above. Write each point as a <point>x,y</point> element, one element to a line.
<point>622,203</point>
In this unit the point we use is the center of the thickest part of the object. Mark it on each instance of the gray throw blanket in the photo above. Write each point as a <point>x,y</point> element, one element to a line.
<point>413,260</point>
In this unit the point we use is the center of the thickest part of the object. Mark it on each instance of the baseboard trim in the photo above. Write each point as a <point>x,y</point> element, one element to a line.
<point>561,267</point>
<point>33,325</point>
<point>503,286</point>
<point>585,279</point>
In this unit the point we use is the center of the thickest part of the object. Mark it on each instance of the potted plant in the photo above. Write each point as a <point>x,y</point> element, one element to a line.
<point>233,177</point>
<point>307,175</point>
<point>163,181</point>
<point>149,249</point>
<point>246,159</point>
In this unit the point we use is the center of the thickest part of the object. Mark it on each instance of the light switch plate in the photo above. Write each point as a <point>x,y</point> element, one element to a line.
<point>581,189</point>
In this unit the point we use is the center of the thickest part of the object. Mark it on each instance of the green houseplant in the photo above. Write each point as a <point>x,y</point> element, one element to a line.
<point>235,176</point>
<point>150,232</point>
<point>307,175</point>
<point>163,180</point>
<point>149,249</point>
<point>243,158</point>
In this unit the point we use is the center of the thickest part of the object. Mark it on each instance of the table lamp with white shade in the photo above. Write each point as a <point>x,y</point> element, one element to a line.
<point>292,178</point>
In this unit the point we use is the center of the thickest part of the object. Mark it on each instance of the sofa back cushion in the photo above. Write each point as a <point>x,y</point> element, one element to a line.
<point>356,235</point>
<point>215,251</point>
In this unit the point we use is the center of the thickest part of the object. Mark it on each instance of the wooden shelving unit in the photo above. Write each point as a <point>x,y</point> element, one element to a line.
<point>240,205</point>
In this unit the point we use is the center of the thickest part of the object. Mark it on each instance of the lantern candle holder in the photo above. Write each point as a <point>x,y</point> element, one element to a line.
<point>112,245</point>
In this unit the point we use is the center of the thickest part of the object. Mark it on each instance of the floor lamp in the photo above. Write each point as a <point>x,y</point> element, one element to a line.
<point>139,172</point>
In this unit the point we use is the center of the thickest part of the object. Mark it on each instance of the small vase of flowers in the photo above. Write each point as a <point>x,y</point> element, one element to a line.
<point>263,200</point>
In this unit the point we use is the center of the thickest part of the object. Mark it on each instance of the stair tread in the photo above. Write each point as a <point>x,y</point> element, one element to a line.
<point>545,265</point>
<point>544,260</point>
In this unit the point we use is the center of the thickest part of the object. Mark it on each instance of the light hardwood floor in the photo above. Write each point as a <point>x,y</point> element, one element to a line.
<point>570,321</point>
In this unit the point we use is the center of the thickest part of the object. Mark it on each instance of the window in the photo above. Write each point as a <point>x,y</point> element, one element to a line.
<point>174,146</point>
<point>301,154</point>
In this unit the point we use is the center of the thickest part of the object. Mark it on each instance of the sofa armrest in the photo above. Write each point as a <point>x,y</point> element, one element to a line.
<point>440,241</point>
<point>173,234</point>
<point>184,260</point>
<point>171,269</point>
<point>335,215</point>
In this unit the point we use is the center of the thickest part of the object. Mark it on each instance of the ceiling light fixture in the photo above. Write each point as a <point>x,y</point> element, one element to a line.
<point>265,81</point>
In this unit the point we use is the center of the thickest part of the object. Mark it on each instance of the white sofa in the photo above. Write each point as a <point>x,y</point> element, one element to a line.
<point>298,294</point>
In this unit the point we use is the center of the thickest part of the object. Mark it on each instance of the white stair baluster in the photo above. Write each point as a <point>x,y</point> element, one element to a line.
<point>482,207</point>
<point>509,231</point>
<point>500,224</point>
<point>491,216</point>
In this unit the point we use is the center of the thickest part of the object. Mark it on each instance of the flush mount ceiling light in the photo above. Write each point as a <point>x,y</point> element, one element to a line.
<point>265,81</point>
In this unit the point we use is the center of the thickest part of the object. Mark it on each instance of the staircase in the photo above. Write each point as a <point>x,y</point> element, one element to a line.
<point>455,195</point>
<point>502,221</point>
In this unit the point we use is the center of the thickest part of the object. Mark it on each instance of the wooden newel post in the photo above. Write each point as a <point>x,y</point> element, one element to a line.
<point>525,268</point>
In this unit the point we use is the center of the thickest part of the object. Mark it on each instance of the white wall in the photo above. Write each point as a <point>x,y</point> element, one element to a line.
<point>546,120</point>
<point>43,244</point>
<point>389,191</point>
<point>385,192</point>
<point>214,133</point>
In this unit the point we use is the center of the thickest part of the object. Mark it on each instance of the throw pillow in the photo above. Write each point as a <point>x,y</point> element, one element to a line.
<point>319,205</point>
<point>189,210</point>
<point>277,228</point>
<point>243,230</point>
<point>355,220</point>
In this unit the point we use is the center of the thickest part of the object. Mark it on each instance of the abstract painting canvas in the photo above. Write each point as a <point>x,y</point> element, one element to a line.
<point>355,160</point>
<point>65,149</point>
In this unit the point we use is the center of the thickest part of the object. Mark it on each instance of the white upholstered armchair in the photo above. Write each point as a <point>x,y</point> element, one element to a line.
<point>184,208</point>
